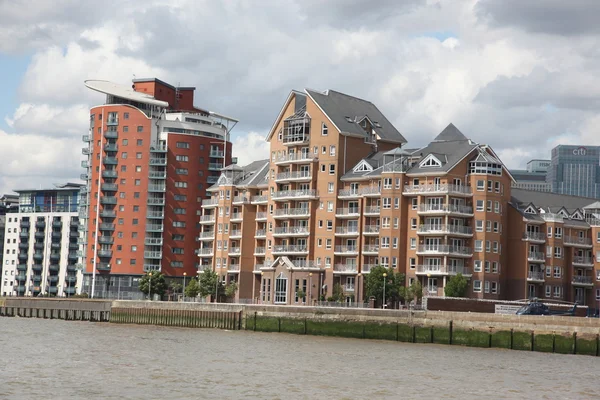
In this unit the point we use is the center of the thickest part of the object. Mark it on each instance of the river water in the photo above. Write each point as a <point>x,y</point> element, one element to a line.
<point>55,359</point>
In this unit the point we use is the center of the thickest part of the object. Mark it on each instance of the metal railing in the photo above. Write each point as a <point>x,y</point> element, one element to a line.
<point>290,249</point>
<point>446,208</point>
<point>445,249</point>
<point>294,194</point>
<point>293,175</point>
<point>241,200</point>
<point>445,229</point>
<point>348,193</point>
<point>295,157</point>
<point>349,268</point>
<point>540,236</point>
<point>282,212</point>
<point>346,249</point>
<point>352,211</point>
<point>535,255</point>
<point>372,210</point>
<point>585,280</point>
<point>535,275</point>
<point>347,230</point>
<point>577,240</point>
<point>291,230</point>
<point>260,199</point>
<point>437,188</point>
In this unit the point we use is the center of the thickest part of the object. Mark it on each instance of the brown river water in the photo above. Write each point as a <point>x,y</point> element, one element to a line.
<point>53,359</point>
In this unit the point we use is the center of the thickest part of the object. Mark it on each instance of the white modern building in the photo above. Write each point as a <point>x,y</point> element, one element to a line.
<point>41,243</point>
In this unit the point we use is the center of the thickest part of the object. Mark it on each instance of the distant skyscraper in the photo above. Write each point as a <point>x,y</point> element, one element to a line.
<point>575,170</point>
<point>532,178</point>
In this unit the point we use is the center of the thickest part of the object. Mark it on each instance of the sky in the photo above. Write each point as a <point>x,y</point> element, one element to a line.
<point>517,75</point>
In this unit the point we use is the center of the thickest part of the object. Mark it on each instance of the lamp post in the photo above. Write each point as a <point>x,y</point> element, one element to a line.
<point>183,290</point>
<point>217,288</point>
<point>310,287</point>
<point>358,288</point>
<point>260,287</point>
<point>384,276</point>
<point>58,291</point>
<point>149,284</point>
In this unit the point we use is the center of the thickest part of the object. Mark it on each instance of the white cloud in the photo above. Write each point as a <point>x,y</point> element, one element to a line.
<point>250,147</point>
<point>49,120</point>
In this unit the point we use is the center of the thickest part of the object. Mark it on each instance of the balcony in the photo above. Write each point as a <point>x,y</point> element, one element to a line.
<point>103,266</point>
<point>36,278</point>
<point>108,214</point>
<point>577,241</point>
<point>261,216</point>
<point>105,253</point>
<point>290,249</point>
<point>40,245</point>
<point>371,249</point>
<point>371,230</point>
<point>157,188</point>
<point>109,173</point>
<point>441,270</point>
<point>233,268</point>
<point>110,160</point>
<point>56,235</point>
<point>53,267</point>
<point>107,227</point>
<point>284,213</point>
<point>345,250</point>
<point>352,212</point>
<point>106,239</point>
<point>86,138</point>
<point>366,268</point>
<point>207,219</point>
<point>535,256</point>
<point>208,235</point>
<point>209,203</point>
<point>37,267</point>
<point>208,252</point>
<point>158,161</point>
<point>535,237</point>
<point>71,279</point>
<point>40,235</point>
<point>55,256</point>
<point>158,148</point>
<point>111,147</point>
<point>285,195</point>
<point>235,251</point>
<point>372,211</point>
<point>86,151</point>
<point>155,255</point>
<point>154,227</point>
<point>236,217</point>
<point>578,280</point>
<point>291,231</point>
<point>108,200</point>
<point>153,241</point>
<point>445,209</point>
<point>57,224</point>
<point>111,135</point>
<point>443,229</point>
<point>155,215</point>
<point>535,276</point>
<point>216,154</point>
<point>348,194</point>
<point>21,277</point>
<point>112,121</point>
<point>20,289</point>
<point>25,245</point>
<point>437,189</point>
<point>25,224</point>
<point>444,249</point>
<point>580,261</point>
<point>346,231</point>
<point>40,224</point>
<point>295,139</point>
<point>215,166</point>
<point>36,256</point>
<point>72,246</point>
<point>109,187</point>
<point>262,199</point>
<point>260,234</point>
<point>241,200</point>
<point>83,177</point>
<point>293,176</point>
<point>85,164</point>
<point>293,158</point>
<point>235,233</point>
<point>157,175</point>
<point>345,269</point>
<point>260,251</point>
<point>156,201</point>
<point>21,267</point>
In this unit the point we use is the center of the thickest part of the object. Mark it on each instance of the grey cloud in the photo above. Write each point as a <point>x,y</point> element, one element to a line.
<point>557,17</point>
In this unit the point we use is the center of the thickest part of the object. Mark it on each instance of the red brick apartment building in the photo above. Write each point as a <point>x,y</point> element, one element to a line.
<point>340,194</point>
<point>150,156</point>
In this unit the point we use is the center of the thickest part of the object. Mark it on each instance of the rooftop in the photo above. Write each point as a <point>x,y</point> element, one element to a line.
<point>125,92</point>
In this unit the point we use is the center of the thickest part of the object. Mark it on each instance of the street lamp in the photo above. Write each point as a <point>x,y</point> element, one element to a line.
<point>149,284</point>
<point>58,291</point>
<point>384,276</point>
<point>217,288</point>
<point>183,290</point>
<point>261,286</point>
<point>358,287</point>
<point>310,287</point>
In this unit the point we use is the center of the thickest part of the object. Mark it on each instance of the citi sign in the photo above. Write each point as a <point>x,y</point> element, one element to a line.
<point>580,151</point>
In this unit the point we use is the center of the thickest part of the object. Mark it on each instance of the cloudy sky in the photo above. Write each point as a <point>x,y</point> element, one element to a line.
<point>518,75</point>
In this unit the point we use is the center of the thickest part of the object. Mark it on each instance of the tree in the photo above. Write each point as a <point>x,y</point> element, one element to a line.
<point>157,283</point>
<point>192,289</point>
<point>175,287</point>
<point>456,286</point>
<point>208,282</point>
<point>394,284</point>
<point>414,291</point>
<point>231,289</point>
<point>301,295</point>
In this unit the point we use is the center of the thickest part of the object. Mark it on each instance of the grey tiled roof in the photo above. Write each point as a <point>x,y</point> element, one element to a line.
<point>450,134</point>
<point>550,202</point>
<point>339,107</point>
<point>449,153</point>
<point>253,174</point>
<point>524,175</point>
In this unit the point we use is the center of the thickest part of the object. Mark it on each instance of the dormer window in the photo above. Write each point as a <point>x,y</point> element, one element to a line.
<point>430,161</point>
<point>530,210</point>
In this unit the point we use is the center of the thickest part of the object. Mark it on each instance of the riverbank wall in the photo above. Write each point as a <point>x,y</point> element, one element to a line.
<point>557,334</point>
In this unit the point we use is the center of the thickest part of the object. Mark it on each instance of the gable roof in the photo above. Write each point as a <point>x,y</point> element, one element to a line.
<point>346,111</point>
<point>550,202</point>
<point>449,134</point>
<point>449,153</point>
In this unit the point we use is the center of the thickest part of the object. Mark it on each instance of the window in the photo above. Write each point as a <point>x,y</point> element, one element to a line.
<point>497,207</point>
<point>557,291</point>
<point>138,168</point>
<point>385,222</point>
<point>177,250</point>
<point>178,224</point>
<point>479,205</point>
<point>479,225</point>
<point>557,272</point>
<point>181,171</point>
<point>329,224</point>
<point>177,237</point>
<point>181,158</point>
<point>180,184</point>
<point>387,183</point>
<point>135,221</point>
<point>487,266</point>
<point>413,243</point>
<point>330,187</point>
<point>558,232</point>
<point>413,223</point>
<point>387,202</point>
<point>558,252</point>
<point>138,182</point>
<point>125,129</point>
<point>488,226</point>
<point>124,155</point>
<point>396,202</point>
<point>486,286</point>
<point>495,247</point>
<point>479,245</point>
<point>395,243</point>
<point>549,272</point>
<point>477,286</point>
<point>133,248</point>
<point>549,251</point>
<point>480,185</point>
<point>385,242</point>
<point>319,242</point>
<point>329,206</point>
<point>324,130</point>
<point>494,287</point>
<point>126,115</point>
<point>412,262</point>
<point>548,291</point>
<point>179,211</point>
<point>495,267</point>
<point>496,227</point>
<point>323,167</point>
<point>488,246</point>
<point>183,145</point>
<point>140,128</point>
<point>497,187</point>
<point>489,206</point>
<point>331,169</point>
<point>396,222</point>
<point>415,203</point>
<point>332,151</point>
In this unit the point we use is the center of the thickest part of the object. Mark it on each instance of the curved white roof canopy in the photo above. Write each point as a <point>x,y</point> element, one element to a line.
<point>124,92</point>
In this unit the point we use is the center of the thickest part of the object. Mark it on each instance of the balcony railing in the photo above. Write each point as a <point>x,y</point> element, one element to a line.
<point>108,200</point>
<point>290,249</point>
<point>153,241</point>
<point>537,236</point>
<point>153,255</point>
<point>109,187</point>
<point>156,201</point>
<point>370,191</point>
<point>111,134</point>
<point>155,214</point>
<point>259,233</point>
<point>215,166</point>
<point>261,216</point>
<point>535,256</point>
<point>348,193</point>
<point>370,248</point>
<point>366,268</point>
<point>236,216</point>
<point>109,173</point>
<point>233,267</point>
<point>370,210</point>
<point>295,157</point>
<point>108,214</point>
<point>582,280</point>
<point>292,194</point>
<point>535,276</point>
<point>157,188</point>
<point>111,147</point>
<point>577,241</point>
<point>371,229</point>
<point>445,208</point>
<point>104,253</point>
<point>445,249</point>
<point>157,174</point>
<point>235,250</point>
<point>158,161</point>
<point>260,199</point>
<point>106,239</point>
<point>291,230</point>
<point>210,202</point>
<point>260,250</point>
<point>445,229</point>
<point>345,249</point>
<point>217,154</point>
<point>107,227</point>
<point>241,200</point>
<point>345,268</point>
<point>207,235</point>
<point>295,139</point>
<point>443,188</point>
<point>589,261</point>
<point>110,160</point>
<point>207,218</point>
<point>206,251</point>
<point>347,230</point>
<point>287,212</point>
<point>347,212</point>
<point>154,228</point>
<point>293,175</point>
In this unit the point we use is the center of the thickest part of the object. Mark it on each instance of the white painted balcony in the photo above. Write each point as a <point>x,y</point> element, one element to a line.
<point>371,191</point>
<point>153,254</point>
<point>345,250</point>
<point>290,249</point>
<point>235,251</point>
<point>366,268</point>
<point>551,217</point>
<point>205,252</point>
<point>431,269</point>
<point>371,230</point>
<point>372,210</point>
<point>437,209</point>
<point>345,269</point>
<point>444,249</point>
<point>207,235</point>
<point>296,139</point>
<point>371,249</point>
<point>290,231</point>
<point>258,267</point>
<point>284,195</point>
<point>210,203</point>
<point>346,231</point>
<point>535,256</point>
<point>537,237</point>
<point>262,199</point>
<point>348,193</point>
<point>445,229</point>
<point>284,213</point>
<point>582,281</point>
<point>437,189</point>
<point>207,219</point>
<point>295,158</point>
<point>261,216</point>
<point>235,233</point>
<point>233,268</point>
<point>293,176</point>
<point>352,212</point>
<point>577,241</point>
<point>580,261</point>
<point>259,251</point>
<point>260,233</point>
<point>535,276</point>
<point>241,200</point>
<point>236,216</point>
<point>204,267</point>
<point>152,241</point>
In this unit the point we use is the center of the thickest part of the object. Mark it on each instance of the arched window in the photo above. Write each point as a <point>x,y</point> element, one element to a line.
<point>281,289</point>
